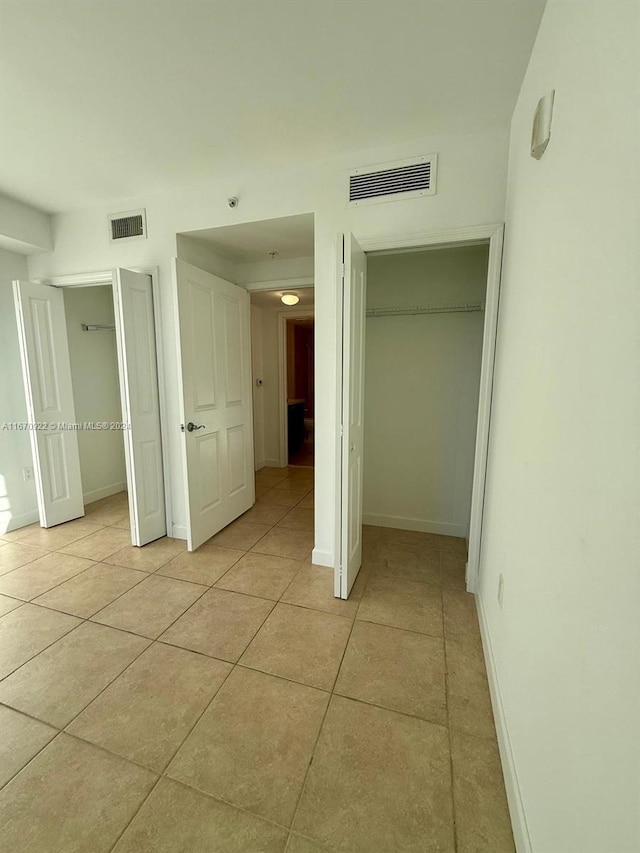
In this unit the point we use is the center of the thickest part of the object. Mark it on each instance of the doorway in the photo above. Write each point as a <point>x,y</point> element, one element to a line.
<point>352,274</point>
<point>91,383</point>
<point>300,391</point>
<point>260,264</point>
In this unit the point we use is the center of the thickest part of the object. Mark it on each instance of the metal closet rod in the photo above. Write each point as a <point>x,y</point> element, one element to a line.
<point>92,327</point>
<point>467,307</point>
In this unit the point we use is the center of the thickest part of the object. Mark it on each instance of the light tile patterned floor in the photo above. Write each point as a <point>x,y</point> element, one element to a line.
<point>156,700</point>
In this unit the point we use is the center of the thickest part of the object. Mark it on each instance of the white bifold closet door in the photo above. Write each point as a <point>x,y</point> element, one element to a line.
<point>135,328</point>
<point>46,371</point>
<point>215,369</point>
<point>44,350</point>
<point>352,283</point>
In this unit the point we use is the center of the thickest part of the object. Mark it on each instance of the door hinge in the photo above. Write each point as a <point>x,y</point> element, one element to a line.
<point>344,270</point>
<point>341,431</point>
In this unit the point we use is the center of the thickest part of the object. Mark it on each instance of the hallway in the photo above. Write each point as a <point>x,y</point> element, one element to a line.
<point>156,700</point>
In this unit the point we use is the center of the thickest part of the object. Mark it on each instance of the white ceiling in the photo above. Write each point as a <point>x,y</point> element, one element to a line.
<point>289,236</point>
<point>107,99</point>
<point>271,298</point>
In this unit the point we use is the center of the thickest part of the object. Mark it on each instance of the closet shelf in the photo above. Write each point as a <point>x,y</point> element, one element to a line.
<point>397,311</point>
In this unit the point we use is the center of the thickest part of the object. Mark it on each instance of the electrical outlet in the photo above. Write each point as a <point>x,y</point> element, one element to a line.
<point>27,474</point>
<point>500,589</point>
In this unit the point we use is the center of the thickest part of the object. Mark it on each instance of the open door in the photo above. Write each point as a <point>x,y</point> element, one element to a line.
<point>215,369</point>
<point>353,274</point>
<point>46,371</point>
<point>133,303</point>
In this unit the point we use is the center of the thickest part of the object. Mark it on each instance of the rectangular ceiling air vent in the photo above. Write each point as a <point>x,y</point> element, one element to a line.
<point>131,225</point>
<point>393,181</point>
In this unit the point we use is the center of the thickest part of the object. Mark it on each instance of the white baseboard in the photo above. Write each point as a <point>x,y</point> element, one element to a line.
<point>179,531</point>
<point>272,463</point>
<point>18,521</point>
<point>104,492</point>
<point>258,464</point>
<point>443,528</point>
<point>322,558</point>
<point>521,834</point>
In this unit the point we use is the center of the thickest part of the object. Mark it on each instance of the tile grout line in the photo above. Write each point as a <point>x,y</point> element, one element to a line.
<point>324,717</point>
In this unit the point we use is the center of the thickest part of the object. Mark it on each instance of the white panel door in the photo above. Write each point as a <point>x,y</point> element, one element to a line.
<point>46,371</point>
<point>133,303</point>
<point>353,288</point>
<point>215,367</point>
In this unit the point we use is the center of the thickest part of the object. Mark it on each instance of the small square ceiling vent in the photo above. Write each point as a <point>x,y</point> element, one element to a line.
<point>131,225</point>
<point>393,181</point>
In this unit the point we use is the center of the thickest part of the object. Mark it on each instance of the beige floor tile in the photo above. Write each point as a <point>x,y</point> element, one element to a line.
<point>15,554</point>
<point>253,744</point>
<point>281,542</point>
<point>147,712</point>
<point>98,546</point>
<point>378,781</point>
<point>150,607</point>
<point>22,738</point>
<point>150,557</point>
<point>291,487</point>
<point>307,502</point>
<point>240,534</point>
<point>261,575</point>
<point>482,814</point>
<point>453,568</point>
<point>220,624</point>
<point>402,604</point>
<point>313,587</point>
<point>469,700</point>
<point>261,491</point>
<point>107,512</point>
<point>300,644</point>
<point>58,683</point>
<point>283,497</point>
<point>124,522</point>
<point>91,590</point>
<point>267,481</point>
<point>393,536</point>
<point>204,566</point>
<point>72,798</point>
<point>43,574</point>
<point>280,473</point>
<point>408,562</point>
<point>28,630</point>
<point>298,519</point>
<point>19,533</point>
<point>396,669</point>
<point>265,513</point>
<point>53,538</point>
<point>453,544</point>
<point>176,818</point>
<point>460,614</point>
<point>299,844</point>
<point>8,604</point>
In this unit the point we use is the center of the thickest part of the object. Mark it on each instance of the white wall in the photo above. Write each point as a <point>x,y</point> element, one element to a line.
<point>18,504</point>
<point>422,376</point>
<point>563,490</point>
<point>96,389</point>
<point>471,188</point>
<point>23,229</point>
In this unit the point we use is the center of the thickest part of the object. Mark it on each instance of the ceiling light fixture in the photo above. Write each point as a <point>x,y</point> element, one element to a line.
<point>290,298</point>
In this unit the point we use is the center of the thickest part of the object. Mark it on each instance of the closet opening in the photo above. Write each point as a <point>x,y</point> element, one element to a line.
<point>423,358</point>
<point>93,357</point>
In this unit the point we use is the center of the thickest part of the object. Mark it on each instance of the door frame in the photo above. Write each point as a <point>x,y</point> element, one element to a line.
<point>283,316</point>
<point>105,277</point>
<point>493,234</point>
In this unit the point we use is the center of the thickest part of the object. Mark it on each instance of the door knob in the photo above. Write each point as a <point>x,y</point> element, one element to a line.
<point>191,426</point>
